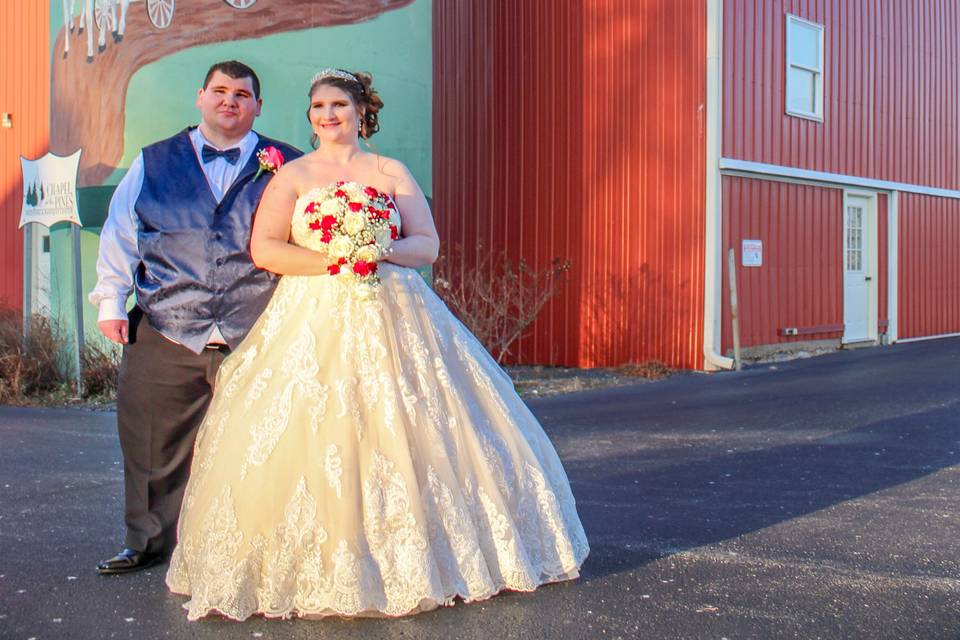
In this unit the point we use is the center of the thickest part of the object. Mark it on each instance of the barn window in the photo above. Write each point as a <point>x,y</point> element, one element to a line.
<point>804,68</point>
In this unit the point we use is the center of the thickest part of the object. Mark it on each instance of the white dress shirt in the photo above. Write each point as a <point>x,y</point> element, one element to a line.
<point>119,256</point>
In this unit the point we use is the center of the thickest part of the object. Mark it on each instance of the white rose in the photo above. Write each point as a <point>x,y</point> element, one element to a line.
<point>354,222</point>
<point>369,253</point>
<point>329,207</point>
<point>382,236</point>
<point>340,247</point>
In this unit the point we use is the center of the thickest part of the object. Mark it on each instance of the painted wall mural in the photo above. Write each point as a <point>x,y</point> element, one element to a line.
<point>125,73</point>
<point>98,53</point>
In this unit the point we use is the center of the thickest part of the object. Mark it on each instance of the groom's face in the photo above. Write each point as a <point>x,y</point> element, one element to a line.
<point>228,105</point>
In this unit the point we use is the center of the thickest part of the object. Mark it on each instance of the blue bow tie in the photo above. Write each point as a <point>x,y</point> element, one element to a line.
<point>208,154</point>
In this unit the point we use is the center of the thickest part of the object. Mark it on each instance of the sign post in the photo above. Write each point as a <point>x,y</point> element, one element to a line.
<point>49,197</point>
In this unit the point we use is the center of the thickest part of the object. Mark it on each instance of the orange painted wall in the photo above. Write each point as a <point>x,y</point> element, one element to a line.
<point>24,93</point>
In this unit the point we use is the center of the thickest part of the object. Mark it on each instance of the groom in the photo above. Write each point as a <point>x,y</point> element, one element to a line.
<point>178,234</point>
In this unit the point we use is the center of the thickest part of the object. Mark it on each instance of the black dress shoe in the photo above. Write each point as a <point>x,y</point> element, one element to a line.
<point>128,561</point>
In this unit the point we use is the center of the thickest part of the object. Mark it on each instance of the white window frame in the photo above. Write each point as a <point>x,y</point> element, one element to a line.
<point>816,115</point>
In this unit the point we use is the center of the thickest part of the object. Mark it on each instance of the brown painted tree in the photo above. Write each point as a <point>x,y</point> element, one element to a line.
<point>87,102</point>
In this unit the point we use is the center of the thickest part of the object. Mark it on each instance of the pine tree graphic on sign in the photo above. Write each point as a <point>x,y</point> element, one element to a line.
<point>31,196</point>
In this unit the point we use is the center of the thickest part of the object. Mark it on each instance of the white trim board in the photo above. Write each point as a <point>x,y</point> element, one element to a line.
<point>713,205</point>
<point>922,338</point>
<point>893,274</point>
<point>763,169</point>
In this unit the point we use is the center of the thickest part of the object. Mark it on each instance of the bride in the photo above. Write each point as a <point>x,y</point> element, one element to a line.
<point>363,454</point>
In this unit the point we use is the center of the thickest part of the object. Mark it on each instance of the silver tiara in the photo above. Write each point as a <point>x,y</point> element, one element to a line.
<point>334,73</point>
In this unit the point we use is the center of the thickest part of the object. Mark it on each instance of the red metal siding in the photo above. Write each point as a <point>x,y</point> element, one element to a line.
<point>575,130</point>
<point>928,266</point>
<point>890,89</point>
<point>506,104</point>
<point>800,282</point>
<point>25,93</point>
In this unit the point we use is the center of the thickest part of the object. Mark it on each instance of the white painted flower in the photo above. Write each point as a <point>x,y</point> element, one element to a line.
<point>354,222</point>
<point>368,253</point>
<point>330,207</point>
<point>340,247</point>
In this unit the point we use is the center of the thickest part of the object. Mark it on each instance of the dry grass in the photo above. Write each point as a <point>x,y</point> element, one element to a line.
<point>32,369</point>
<point>539,381</point>
<point>651,370</point>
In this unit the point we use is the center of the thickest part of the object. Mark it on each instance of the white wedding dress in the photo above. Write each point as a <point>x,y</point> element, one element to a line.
<point>367,457</point>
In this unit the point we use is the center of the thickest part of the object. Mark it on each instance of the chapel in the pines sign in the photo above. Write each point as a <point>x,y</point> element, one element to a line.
<point>50,189</point>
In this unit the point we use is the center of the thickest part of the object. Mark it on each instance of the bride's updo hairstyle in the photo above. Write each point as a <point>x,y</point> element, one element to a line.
<point>359,86</point>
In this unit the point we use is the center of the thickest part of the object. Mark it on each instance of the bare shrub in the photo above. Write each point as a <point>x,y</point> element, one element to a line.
<point>494,297</point>
<point>30,366</point>
<point>100,365</point>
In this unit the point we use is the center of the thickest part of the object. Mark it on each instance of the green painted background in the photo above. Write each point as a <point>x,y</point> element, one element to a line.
<point>394,47</point>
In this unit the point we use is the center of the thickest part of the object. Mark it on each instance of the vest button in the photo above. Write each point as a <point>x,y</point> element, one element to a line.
<point>219,262</point>
<point>218,236</point>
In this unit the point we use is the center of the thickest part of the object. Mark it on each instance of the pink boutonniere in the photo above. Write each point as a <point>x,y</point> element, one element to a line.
<point>270,159</point>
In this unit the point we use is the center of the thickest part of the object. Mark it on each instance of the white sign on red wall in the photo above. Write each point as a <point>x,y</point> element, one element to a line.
<point>752,253</point>
<point>50,189</point>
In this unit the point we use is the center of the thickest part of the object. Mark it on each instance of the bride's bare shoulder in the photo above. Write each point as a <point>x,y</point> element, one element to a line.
<point>299,174</point>
<point>393,170</point>
<point>297,166</point>
<point>390,166</point>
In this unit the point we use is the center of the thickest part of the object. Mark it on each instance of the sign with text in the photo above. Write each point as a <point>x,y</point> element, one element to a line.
<point>50,189</point>
<point>751,253</point>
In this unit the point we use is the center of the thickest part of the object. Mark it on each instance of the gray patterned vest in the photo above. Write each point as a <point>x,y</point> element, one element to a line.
<point>195,269</point>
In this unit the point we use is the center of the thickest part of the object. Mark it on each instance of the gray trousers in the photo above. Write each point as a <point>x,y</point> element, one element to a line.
<point>163,393</point>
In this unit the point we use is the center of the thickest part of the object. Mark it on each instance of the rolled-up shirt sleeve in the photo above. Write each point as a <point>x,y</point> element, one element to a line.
<point>119,256</point>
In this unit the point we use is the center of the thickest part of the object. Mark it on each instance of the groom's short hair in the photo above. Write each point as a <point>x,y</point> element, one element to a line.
<point>235,70</point>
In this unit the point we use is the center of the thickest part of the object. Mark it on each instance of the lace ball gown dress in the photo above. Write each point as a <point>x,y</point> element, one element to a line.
<point>367,456</point>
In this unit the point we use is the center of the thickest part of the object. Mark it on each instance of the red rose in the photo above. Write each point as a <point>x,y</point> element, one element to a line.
<point>394,232</point>
<point>371,192</point>
<point>391,205</point>
<point>340,194</point>
<point>340,183</point>
<point>315,225</point>
<point>274,156</point>
<point>333,269</point>
<point>355,206</point>
<point>311,208</point>
<point>342,261</point>
<point>326,237</point>
<point>270,159</point>
<point>328,222</point>
<point>362,268</point>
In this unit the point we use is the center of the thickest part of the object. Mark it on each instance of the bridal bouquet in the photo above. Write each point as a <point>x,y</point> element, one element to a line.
<point>356,225</point>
